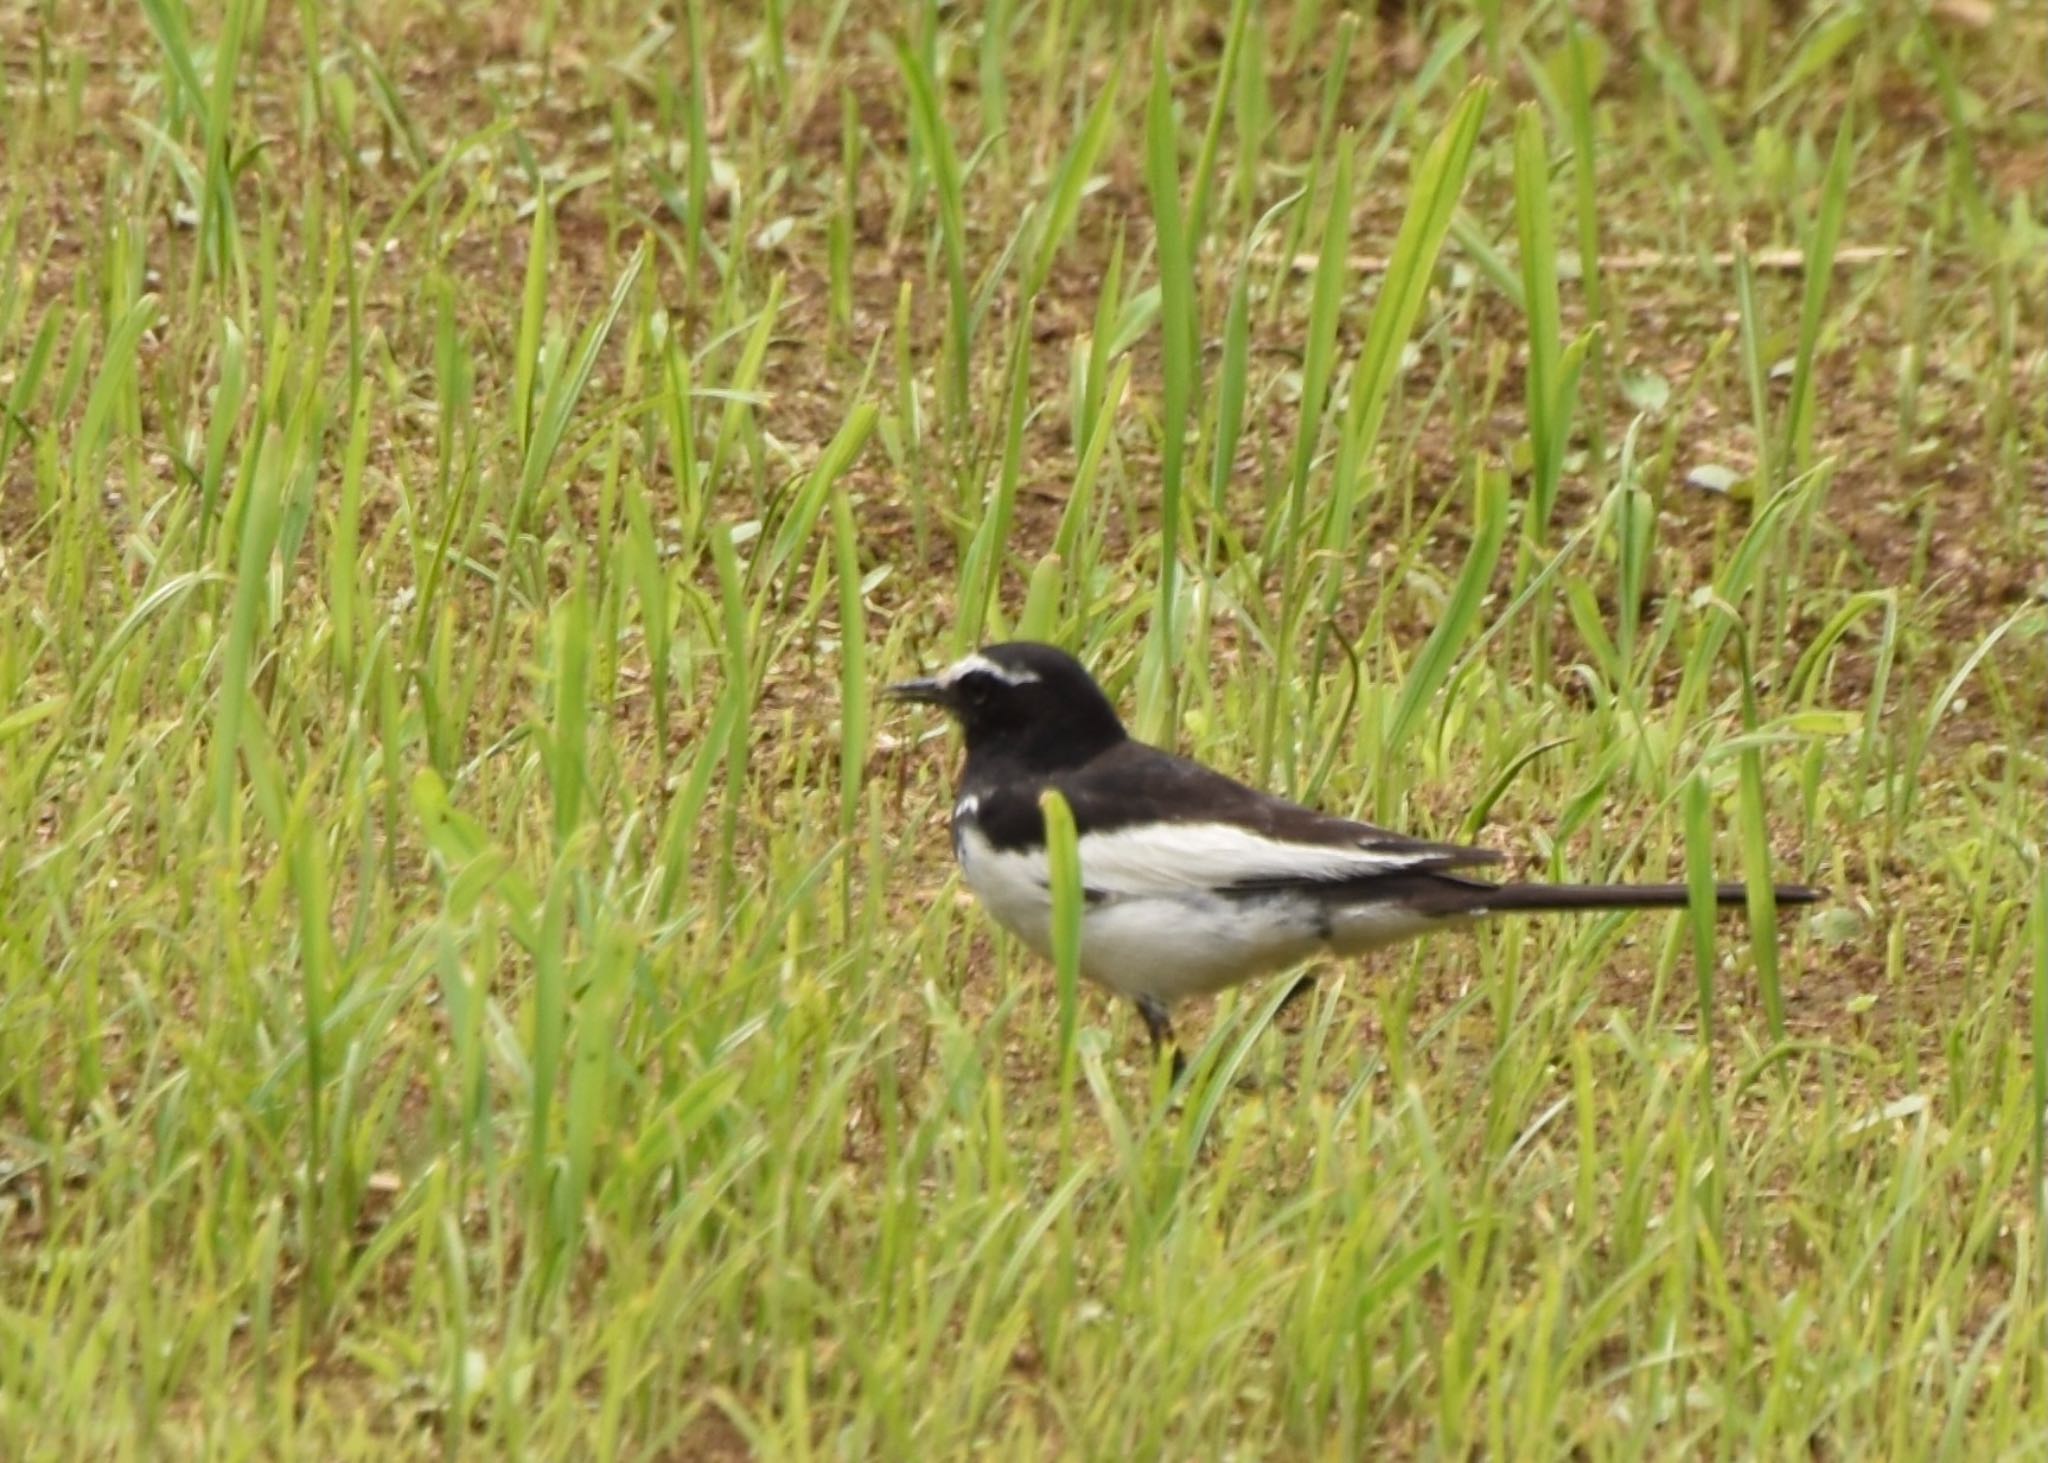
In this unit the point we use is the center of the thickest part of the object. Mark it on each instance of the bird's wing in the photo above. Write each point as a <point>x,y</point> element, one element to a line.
<point>1219,834</point>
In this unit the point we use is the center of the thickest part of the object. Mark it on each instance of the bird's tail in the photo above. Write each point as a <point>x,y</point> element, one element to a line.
<point>1535,898</point>
<point>1400,906</point>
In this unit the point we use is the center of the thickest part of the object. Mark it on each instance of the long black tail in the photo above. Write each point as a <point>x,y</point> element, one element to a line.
<point>1557,897</point>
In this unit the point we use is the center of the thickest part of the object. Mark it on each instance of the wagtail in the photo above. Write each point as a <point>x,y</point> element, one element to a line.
<point>1193,882</point>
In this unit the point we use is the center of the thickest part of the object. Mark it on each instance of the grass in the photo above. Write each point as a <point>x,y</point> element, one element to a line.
<point>481,976</point>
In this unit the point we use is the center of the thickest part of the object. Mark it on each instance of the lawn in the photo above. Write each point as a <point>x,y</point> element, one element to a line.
<point>483,975</point>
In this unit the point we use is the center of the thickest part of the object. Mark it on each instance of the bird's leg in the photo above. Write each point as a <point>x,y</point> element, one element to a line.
<point>1160,1028</point>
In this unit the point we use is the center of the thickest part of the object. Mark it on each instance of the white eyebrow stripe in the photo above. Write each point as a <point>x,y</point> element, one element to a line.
<point>980,664</point>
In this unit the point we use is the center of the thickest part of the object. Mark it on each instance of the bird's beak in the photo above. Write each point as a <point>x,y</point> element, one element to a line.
<point>924,692</point>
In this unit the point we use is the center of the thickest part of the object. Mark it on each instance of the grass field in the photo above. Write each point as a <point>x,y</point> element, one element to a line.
<point>481,975</point>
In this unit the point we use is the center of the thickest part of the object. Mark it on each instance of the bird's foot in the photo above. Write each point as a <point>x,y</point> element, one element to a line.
<point>1159,1026</point>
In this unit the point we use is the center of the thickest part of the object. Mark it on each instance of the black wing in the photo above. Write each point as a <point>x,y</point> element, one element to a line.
<point>1156,823</point>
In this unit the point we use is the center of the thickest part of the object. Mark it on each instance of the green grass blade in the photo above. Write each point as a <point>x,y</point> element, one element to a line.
<point>1683,90</point>
<point>853,673</point>
<point>238,709</point>
<point>1056,219</point>
<point>1538,238</point>
<point>1180,355</point>
<point>1433,196</point>
<point>981,570</point>
<point>533,307</point>
<point>1820,272</point>
<point>565,390</point>
<point>935,144</point>
<point>1319,359</point>
<point>1223,94</point>
<point>1461,612</point>
<point>567,746</point>
<point>2040,1003</point>
<point>1063,874</point>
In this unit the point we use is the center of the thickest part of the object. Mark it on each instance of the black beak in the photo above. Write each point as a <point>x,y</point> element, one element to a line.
<point>923,692</point>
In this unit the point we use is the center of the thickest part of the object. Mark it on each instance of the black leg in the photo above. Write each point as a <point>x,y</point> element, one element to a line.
<point>1160,1028</point>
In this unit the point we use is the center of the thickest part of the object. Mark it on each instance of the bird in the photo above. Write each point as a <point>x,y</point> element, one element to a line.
<point>1193,882</point>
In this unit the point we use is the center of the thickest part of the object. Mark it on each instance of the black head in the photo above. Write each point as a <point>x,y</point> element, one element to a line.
<point>1022,702</point>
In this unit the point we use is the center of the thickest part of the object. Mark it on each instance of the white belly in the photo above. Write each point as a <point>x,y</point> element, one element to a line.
<point>1172,945</point>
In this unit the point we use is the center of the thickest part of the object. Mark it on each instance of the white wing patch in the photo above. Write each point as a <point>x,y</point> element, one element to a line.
<point>1163,934</point>
<point>979,664</point>
<point>1171,858</point>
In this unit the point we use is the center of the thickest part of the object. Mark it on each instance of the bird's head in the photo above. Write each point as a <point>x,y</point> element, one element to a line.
<point>1024,701</point>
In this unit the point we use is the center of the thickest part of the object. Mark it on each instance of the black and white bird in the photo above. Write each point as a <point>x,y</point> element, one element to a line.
<point>1194,882</point>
